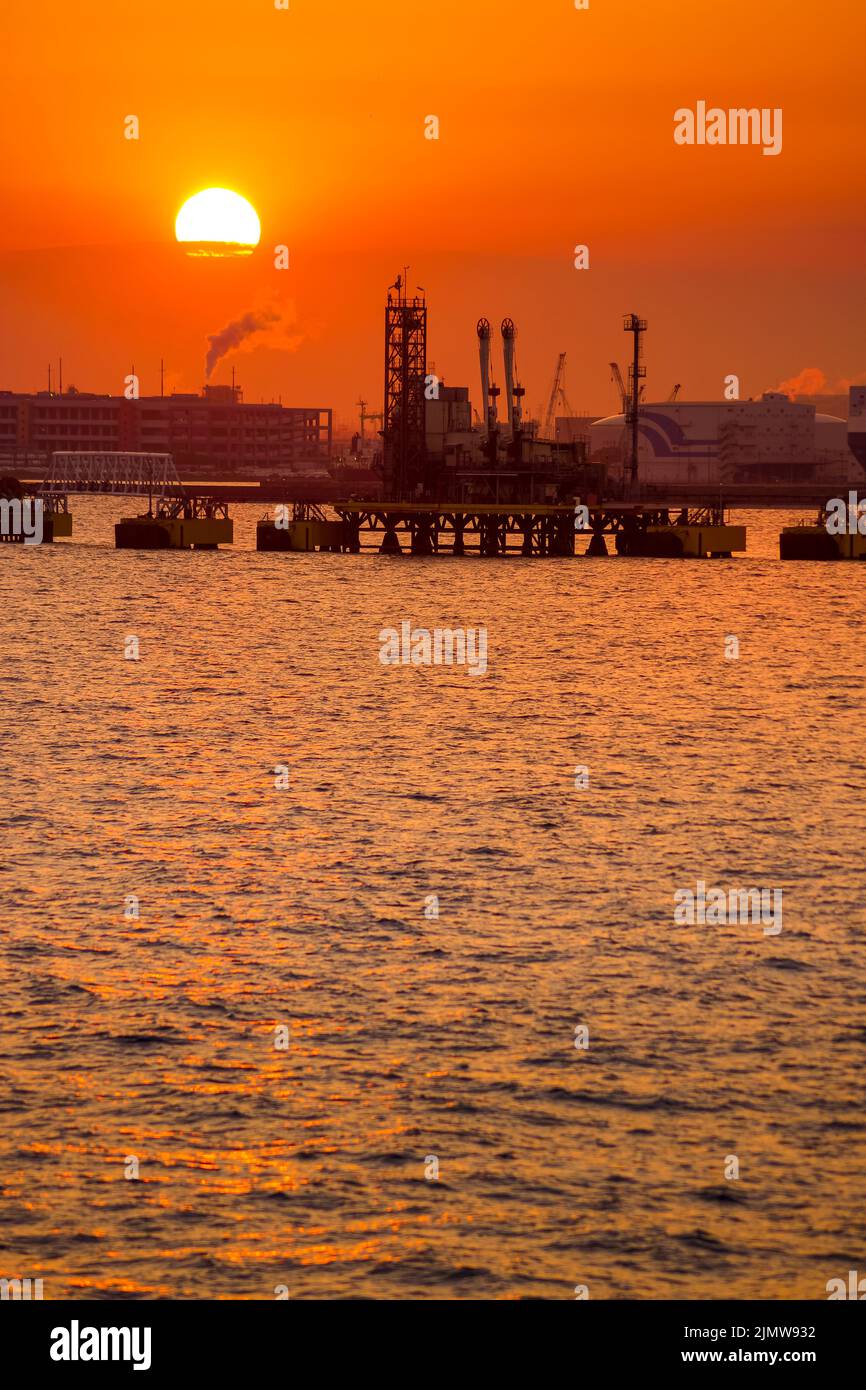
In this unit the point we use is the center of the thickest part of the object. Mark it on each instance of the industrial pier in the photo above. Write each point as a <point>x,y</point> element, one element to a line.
<point>447,486</point>
<point>491,530</point>
<point>505,489</point>
<point>528,495</point>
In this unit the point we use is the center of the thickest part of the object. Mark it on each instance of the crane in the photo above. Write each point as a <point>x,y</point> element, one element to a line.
<point>365,415</point>
<point>557,397</point>
<point>675,392</point>
<point>620,386</point>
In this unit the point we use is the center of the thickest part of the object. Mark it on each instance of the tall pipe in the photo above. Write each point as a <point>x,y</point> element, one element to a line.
<point>508,331</point>
<point>517,418</point>
<point>484,358</point>
<point>489,393</point>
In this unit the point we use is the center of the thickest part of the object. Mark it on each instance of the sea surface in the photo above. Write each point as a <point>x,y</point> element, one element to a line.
<point>396,872</point>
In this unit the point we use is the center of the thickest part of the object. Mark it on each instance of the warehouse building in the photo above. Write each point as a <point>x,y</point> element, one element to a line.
<point>216,431</point>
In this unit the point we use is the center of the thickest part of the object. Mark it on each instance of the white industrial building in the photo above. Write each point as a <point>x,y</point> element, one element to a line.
<point>695,442</point>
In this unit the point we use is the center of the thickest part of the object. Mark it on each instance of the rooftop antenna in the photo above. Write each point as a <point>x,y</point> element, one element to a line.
<point>49,378</point>
<point>60,388</point>
<point>161,377</point>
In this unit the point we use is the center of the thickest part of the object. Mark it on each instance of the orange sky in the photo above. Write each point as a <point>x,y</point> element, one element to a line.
<point>556,128</point>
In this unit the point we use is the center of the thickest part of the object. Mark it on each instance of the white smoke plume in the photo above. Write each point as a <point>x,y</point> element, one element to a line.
<point>811,381</point>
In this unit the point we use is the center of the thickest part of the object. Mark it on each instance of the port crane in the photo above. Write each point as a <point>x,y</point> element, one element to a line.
<point>623,393</point>
<point>557,396</point>
<point>366,415</point>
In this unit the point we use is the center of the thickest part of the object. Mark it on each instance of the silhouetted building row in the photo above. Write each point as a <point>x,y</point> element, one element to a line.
<point>213,430</point>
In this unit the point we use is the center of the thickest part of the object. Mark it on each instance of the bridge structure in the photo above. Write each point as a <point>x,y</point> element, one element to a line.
<point>119,473</point>
<point>176,518</point>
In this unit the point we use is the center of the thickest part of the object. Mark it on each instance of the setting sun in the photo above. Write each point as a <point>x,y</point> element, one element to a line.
<point>217,218</point>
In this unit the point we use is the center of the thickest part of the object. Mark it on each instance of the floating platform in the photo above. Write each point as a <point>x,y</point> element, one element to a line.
<point>56,521</point>
<point>815,542</point>
<point>310,533</point>
<point>179,523</point>
<point>55,525</point>
<point>695,542</point>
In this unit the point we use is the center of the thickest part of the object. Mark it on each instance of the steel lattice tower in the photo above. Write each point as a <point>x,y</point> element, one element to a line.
<point>404,425</point>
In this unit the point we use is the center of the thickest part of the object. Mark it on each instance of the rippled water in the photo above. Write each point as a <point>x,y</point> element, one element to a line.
<point>410,1035</point>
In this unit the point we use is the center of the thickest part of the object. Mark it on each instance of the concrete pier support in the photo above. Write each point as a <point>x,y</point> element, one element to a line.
<point>563,536</point>
<point>489,536</point>
<point>390,543</point>
<point>422,538</point>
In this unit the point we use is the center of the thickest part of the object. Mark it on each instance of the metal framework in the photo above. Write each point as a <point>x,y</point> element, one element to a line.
<point>404,424</point>
<point>635,325</point>
<point>111,473</point>
<point>496,529</point>
<point>192,507</point>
